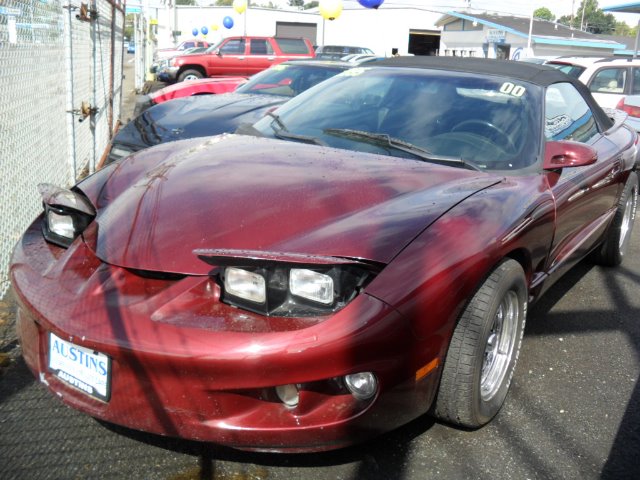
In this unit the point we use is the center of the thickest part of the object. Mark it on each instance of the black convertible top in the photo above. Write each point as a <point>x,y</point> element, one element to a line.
<point>529,72</point>
<point>541,75</point>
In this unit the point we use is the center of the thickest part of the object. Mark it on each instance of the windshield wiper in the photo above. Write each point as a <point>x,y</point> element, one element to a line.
<point>278,121</point>
<point>388,141</point>
<point>283,132</point>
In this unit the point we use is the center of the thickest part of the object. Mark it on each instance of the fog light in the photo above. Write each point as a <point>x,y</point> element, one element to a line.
<point>288,394</point>
<point>361,385</point>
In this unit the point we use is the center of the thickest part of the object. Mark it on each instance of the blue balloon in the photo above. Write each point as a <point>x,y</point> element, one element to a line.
<point>370,3</point>
<point>195,32</point>
<point>204,30</point>
<point>227,22</point>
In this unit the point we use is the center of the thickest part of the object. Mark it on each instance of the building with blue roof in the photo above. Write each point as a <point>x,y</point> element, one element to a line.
<point>511,37</point>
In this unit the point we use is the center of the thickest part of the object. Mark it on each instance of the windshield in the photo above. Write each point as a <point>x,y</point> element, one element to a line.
<point>482,122</point>
<point>288,80</point>
<point>211,48</point>
<point>572,70</point>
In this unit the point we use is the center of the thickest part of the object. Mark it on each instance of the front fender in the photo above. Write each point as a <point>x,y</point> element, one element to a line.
<point>432,280</point>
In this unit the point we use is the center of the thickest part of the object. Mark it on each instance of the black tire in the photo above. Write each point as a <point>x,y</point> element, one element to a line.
<point>190,75</point>
<point>616,240</point>
<point>476,376</point>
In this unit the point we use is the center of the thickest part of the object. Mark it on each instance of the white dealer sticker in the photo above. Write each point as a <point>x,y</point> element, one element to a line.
<point>80,367</point>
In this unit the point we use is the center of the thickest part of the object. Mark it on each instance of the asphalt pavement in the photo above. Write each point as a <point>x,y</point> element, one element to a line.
<point>573,411</point>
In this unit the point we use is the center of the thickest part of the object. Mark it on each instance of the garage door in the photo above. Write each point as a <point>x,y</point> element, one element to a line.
<point>297,30</point>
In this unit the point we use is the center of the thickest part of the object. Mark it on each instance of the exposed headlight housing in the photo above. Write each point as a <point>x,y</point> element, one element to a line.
<point>293,290</point>
<point>66,214</point>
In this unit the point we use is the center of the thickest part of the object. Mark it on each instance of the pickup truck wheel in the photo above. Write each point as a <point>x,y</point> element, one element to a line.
<point>484,349</point>
<point>189,75</point>
<point>616,240</point>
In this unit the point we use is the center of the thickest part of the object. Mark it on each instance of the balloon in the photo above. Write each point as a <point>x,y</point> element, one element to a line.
<point>240,5</point>
<point>330,9</point>
<point>214,27</point>
<point>370,3</point>
<point>204,30</point>
<point>195,32</point>
<point>228,22</point>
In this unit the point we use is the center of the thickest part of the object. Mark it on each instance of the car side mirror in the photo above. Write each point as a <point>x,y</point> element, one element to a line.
<point>218,52</point>
<point>564,153</point>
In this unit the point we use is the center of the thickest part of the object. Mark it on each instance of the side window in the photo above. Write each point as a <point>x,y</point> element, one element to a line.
<point>567,115</point>
<point>609,80</point>
<point>293,45</point>
<point>636,81</point>
<point>260,47</point>
<point>188,45</point>
<point>233,47</point>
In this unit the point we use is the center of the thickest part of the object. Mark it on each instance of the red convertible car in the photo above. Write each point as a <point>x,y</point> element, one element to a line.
<point>364,256</point>
<point>203,86</point>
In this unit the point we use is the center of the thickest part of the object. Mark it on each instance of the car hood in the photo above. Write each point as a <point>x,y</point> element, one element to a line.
<point>192,117</point>
<point>242,193</point>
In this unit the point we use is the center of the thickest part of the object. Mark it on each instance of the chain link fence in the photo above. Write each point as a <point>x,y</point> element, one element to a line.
<point>60,97</point>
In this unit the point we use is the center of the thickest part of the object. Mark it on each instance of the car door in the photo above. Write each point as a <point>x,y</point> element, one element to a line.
<point>230,58</point>
<point>608,85</point>
<point>261,55</point>
<point>585,196</point>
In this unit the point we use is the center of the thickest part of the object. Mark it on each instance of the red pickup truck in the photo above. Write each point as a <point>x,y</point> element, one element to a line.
<point>237,56</point>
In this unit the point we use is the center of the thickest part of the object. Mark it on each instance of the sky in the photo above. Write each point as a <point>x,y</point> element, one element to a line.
<point>512,7</point>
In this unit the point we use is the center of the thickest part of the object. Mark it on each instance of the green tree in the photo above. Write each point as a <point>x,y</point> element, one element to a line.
<point>543,13</point>
<point>296,3</point>
<point>186,2</point>
<point>309,5</point>
<point>223,3</point>
<point>624,30</point>
<point>128,26</point>
<point>594,19</point>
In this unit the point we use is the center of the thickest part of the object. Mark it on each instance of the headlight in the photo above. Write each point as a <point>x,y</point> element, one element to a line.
<point>60,224</point>
<point>247,285</point>
<point>66,214</point>
<point>288,290</point>
<point>311,285</point>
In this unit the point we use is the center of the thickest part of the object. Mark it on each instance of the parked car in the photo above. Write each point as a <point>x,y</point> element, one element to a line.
<point>131,47</point>
<point>538,60</point>
<point>360,58</point>
<point>336,52</point>
<point>237,56</point>
<point>160,64</point>
<point>201,116</point>
<point>373,262</point>
<point>609,78</point>
<point>204,86</point>
<point>180,48</point>
<point>631,106</point>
